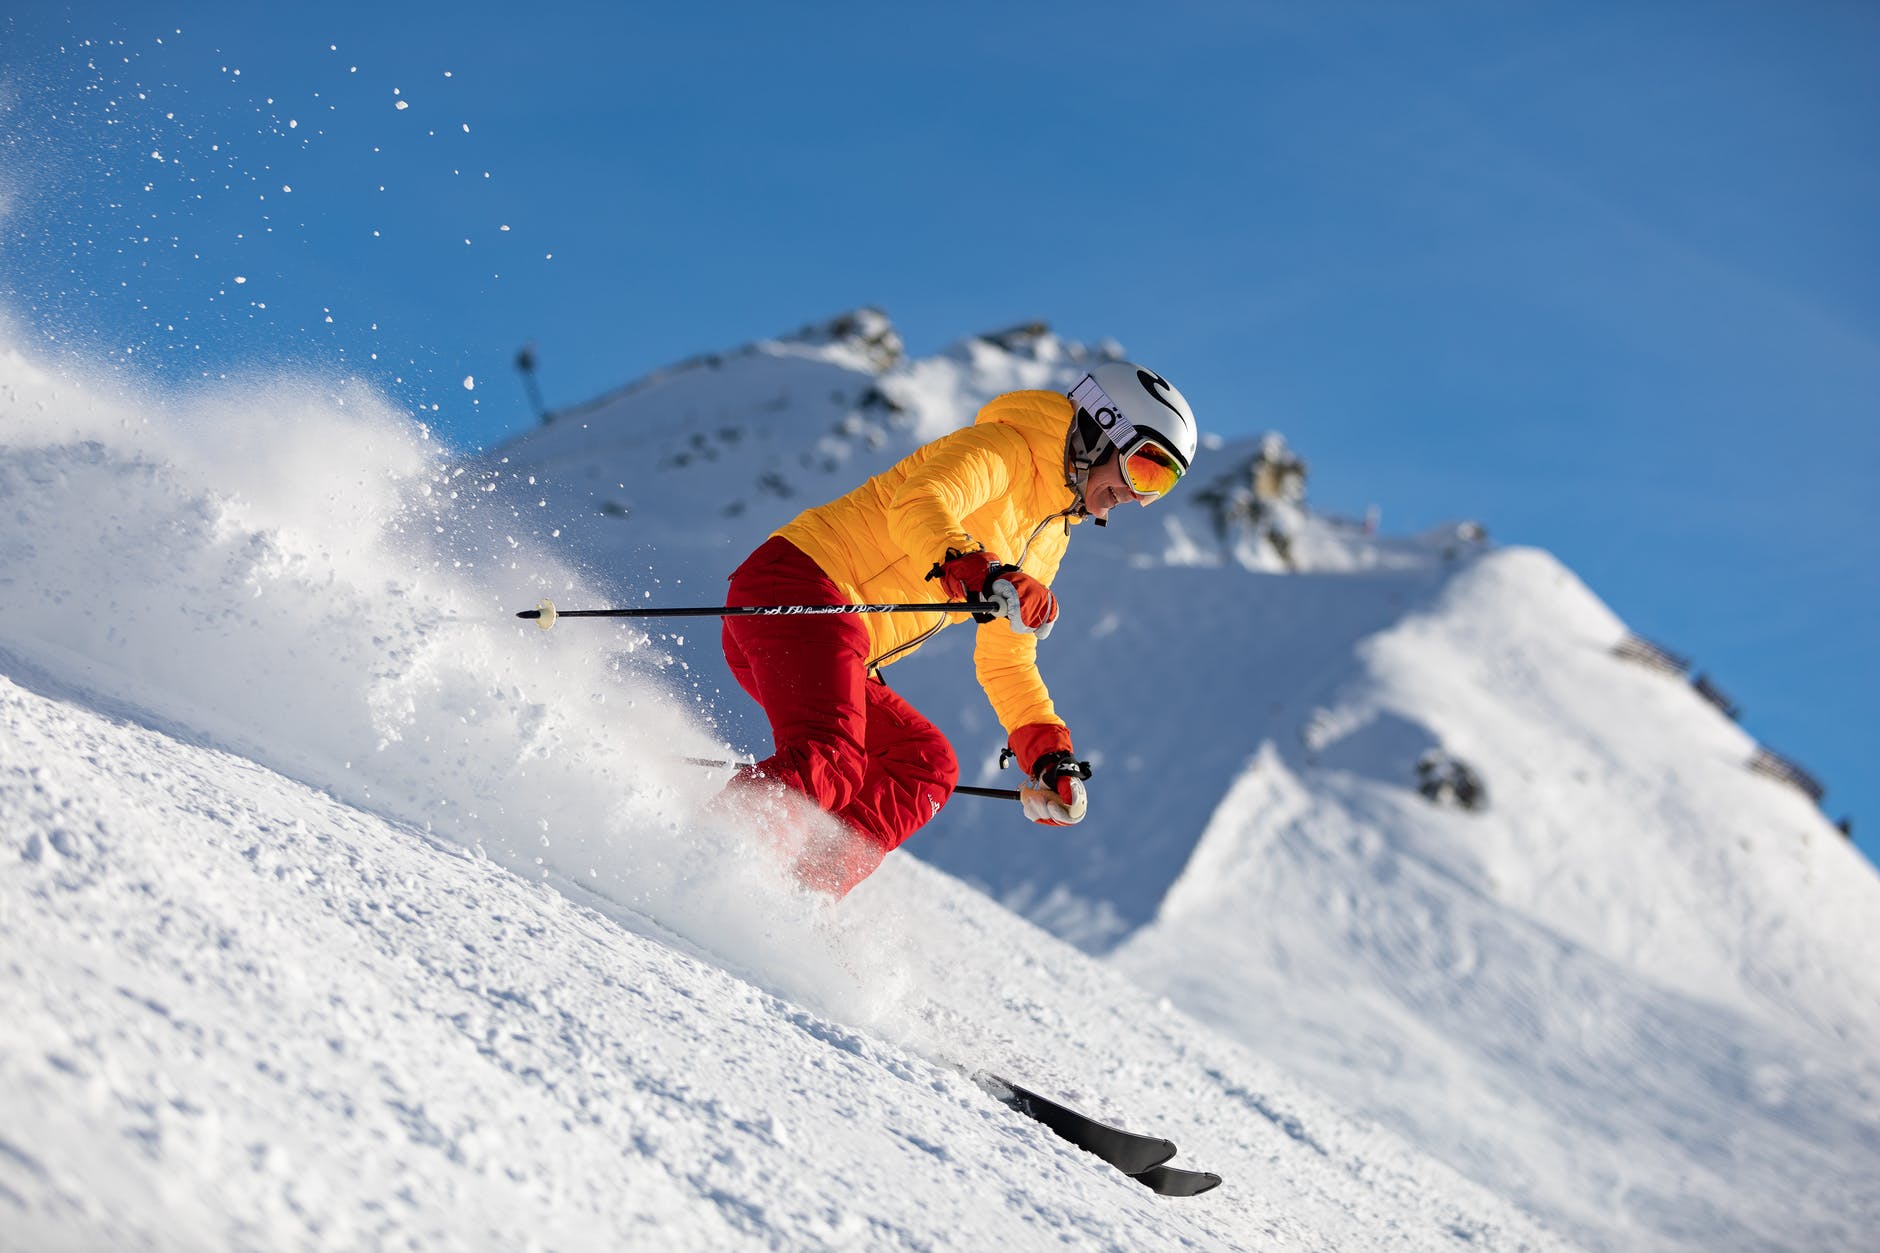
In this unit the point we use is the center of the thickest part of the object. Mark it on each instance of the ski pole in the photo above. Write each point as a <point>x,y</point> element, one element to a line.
<point>995,793</point>
<point>545,615</point>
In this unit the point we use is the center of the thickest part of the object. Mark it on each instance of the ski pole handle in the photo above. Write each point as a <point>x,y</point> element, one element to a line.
<point>545,615</point>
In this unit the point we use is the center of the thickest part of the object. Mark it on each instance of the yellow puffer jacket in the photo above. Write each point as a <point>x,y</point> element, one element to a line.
<point>997,484</point>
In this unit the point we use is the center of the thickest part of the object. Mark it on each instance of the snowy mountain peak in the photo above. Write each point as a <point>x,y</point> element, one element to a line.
<point>747,437</point>
<point>865,332</point>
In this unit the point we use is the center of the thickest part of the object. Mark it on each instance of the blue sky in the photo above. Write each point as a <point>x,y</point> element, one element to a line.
<point>1602,276</point>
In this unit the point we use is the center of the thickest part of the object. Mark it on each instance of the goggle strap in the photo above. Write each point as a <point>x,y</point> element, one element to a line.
<point>1092,399</point>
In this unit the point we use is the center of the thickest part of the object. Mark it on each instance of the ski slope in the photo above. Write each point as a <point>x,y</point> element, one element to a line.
<point>348,911</point>
<point>241,1013</point>
<point>342,910</point>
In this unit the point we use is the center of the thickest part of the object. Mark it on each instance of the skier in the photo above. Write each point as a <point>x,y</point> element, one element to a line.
<point>986,513</point>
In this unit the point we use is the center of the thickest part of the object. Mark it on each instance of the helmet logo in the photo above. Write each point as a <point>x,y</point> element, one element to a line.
<point>1150,381</point>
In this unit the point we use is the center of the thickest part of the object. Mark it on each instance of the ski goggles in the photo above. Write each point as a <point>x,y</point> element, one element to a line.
<point>1151,470</point>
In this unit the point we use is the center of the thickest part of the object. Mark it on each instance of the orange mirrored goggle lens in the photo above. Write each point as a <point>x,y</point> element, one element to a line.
<point>1151,470</point>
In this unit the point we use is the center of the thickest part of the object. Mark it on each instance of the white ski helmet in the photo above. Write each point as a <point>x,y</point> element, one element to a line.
<point>1125,405</point>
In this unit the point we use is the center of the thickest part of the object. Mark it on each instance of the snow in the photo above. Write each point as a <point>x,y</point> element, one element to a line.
<point>258,1017</point>
<point>1643,942</point>
<point>344,910</point>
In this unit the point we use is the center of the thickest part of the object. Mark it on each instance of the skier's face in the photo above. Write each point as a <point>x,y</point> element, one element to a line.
<point>1106,488</point>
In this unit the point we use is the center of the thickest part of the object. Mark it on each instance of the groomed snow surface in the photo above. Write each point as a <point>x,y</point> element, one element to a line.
<point>241,1013</point>
<point>341,910</point>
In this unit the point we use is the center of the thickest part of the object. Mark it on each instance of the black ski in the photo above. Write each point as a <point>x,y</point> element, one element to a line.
<point>1174,1181</point>
<point>1129,1151</point>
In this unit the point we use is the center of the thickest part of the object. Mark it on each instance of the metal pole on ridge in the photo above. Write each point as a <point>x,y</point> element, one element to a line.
<point>545,615</point>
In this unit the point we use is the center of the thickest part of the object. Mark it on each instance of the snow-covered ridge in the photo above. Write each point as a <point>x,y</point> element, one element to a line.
<point>1649,971</point>
<point>715,452</point>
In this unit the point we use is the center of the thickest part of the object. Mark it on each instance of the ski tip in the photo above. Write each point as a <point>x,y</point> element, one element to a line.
<point>1174,1181</point>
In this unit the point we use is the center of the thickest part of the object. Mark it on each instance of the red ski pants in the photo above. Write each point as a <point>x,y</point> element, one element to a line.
<point>843,739</point>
